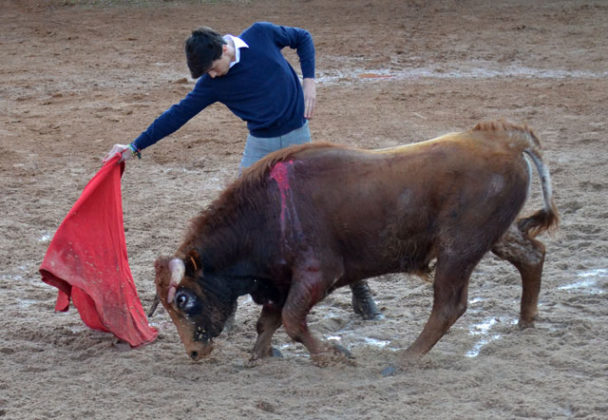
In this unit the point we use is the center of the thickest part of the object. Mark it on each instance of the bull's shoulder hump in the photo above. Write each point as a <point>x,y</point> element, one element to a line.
<point>262,167</point>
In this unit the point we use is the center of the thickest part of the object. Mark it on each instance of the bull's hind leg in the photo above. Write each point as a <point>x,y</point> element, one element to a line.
<point>528,256</point>
<point>269,321</point>
<point>450,290</point>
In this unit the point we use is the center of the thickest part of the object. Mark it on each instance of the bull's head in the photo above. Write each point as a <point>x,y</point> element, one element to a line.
<point>198,310</point>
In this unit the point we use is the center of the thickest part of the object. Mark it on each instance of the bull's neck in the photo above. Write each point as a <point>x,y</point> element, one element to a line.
<point>237,228</point>
<point>224,248</point>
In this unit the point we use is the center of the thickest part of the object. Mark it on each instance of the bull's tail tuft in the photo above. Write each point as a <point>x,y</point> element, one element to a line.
<point>548,217</point>
<point>539,222</point>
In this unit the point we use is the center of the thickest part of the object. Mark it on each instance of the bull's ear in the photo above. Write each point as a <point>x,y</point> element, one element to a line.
<point>192,262</point>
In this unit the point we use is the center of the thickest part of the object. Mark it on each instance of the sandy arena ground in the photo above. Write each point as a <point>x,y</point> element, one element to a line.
<point>78,76</point>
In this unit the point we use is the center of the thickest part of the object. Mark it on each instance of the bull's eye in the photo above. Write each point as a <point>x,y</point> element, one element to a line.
<point>182,300</point>
<point>185,300</point>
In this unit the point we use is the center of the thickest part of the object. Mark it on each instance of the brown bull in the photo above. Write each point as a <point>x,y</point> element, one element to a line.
<point>309,219</point>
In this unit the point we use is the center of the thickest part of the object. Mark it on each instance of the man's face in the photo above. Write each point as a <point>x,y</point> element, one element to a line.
<point>220,66</point>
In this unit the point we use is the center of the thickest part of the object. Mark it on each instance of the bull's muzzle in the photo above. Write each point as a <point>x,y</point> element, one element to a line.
<point>197,350</point>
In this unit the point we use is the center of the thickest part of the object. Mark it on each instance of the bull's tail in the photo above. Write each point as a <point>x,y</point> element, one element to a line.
<point>548,217</point>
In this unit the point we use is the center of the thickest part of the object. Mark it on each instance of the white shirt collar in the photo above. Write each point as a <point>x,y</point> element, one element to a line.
<point>238,44</point>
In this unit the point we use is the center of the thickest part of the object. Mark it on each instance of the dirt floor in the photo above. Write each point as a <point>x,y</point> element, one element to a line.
<point>78,76</point>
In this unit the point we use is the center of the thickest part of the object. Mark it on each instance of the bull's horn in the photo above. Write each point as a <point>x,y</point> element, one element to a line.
<point>177,269</point>
<point>154,305</point>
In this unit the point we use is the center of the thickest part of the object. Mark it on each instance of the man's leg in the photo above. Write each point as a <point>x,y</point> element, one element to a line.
<point>298,136</point>
<point>258,147</point>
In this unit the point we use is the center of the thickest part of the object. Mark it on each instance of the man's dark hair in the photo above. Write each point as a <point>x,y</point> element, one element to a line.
<point>202,48</point>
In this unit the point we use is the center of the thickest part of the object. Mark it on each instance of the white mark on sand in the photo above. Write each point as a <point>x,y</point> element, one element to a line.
<point>46,237</point>
<point>589,282</point>
<point>483,330</point>
<point>26,303</point>
<point>376,343</point>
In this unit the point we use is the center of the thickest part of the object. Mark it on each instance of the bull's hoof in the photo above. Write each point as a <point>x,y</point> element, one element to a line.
<point>522,324</point>
<point>335,354</point>
<point>271,352</point>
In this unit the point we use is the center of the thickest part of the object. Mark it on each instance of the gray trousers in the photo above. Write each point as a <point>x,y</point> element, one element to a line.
<point>257,147</point>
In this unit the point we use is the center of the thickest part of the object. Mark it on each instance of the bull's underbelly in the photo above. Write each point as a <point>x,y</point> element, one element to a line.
<point>401,256</point>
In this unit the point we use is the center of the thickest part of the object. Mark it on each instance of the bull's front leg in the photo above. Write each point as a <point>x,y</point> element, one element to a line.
<point>307,289</point>
<point>269,321</point>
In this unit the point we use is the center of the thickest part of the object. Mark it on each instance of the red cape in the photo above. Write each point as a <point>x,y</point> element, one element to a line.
<point>87,261</point>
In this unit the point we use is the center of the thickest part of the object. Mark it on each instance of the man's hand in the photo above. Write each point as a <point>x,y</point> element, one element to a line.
<point>310,96</point>
<point>122,149</point>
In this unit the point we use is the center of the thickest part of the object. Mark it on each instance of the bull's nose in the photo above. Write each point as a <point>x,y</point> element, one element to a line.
<point>194,355</point>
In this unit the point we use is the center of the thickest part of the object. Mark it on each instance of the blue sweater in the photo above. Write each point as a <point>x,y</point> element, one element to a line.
<point>262,89</point>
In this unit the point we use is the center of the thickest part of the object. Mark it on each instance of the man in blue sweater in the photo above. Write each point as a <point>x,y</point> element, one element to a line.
<point>251,77</point>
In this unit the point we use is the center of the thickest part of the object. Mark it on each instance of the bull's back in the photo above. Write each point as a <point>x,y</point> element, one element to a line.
<point>353,183</point>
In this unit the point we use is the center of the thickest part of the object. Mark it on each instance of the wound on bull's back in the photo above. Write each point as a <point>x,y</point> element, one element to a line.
<point>280,174</point>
